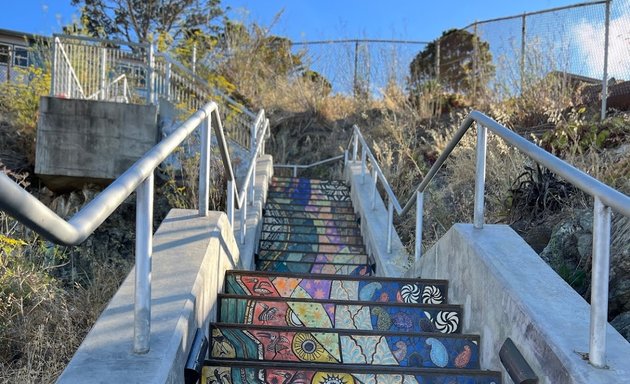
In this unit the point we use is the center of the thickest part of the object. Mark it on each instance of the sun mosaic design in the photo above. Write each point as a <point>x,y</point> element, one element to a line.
<point>236,375</point>
<point>404,350</point>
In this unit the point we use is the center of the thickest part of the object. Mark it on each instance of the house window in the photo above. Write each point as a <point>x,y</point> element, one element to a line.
<point>5,54</point>
<point>20,57</point>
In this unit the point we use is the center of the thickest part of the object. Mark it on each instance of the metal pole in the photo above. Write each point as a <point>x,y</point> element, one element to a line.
<point>605,77</point>
<point>374,180</point>
<point>437,61</point>
<point>53,74</point>
<point>390,224</point>
<point>363,164</point>
<point>230,202</point>
<point>103,92</point>
<point>356,63</point>
<point>475,61</point>
<point>244,217</point>
<point>252,180</point>
<point>480,176</point>
<point>168,81</point>
<point>419,214</point>
<point>599,286</point>
<point>356,147</point>
<point>295,171</point>
<point>204,167</point>
<point>194,59</point>
<point>151,96</point>
<point>144,249</point>
<point>523,31</point>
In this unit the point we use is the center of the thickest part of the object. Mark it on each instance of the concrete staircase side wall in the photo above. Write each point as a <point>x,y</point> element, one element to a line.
<point>508,291</point>
<point>374,225</point>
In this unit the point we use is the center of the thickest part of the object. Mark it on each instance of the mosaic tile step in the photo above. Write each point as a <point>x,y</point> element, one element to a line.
<point>315,313</point>
<point>315,267</point>
<point>274,212</point>
<point>310,229</point>
<point>314,195</point>
<point>253,372</point>
<point>280,246</point>
<point>309,208</point>
<point>306,180</point>
<point>324,188</point>
<point>270,254</point>
<point>305,201</point>
<point>371,289</point>
<point>271,220</point>
<point>331,258</point>
<point>312,345</point>
<point>313,237</point>
<point>309,183</point>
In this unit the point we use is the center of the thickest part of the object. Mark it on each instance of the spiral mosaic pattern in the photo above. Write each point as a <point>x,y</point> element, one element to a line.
<point>432,295</point>
<point>410,293</point>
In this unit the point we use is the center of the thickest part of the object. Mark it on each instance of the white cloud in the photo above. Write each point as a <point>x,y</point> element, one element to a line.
<point>590,36</point>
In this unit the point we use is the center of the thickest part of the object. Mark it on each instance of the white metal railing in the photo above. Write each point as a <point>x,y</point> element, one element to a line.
<point>139,178</point>
<point>605,199</point>
<point>117,90</point>
<point>295,167</point>
<point>90,68</point>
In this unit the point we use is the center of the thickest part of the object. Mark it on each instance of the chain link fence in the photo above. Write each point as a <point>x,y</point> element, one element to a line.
<point>566,44</point>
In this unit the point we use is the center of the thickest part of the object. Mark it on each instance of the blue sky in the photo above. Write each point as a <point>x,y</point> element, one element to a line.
<point>313,19</point>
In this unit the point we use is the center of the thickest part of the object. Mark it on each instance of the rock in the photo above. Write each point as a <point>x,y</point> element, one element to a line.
<point>622,324</point>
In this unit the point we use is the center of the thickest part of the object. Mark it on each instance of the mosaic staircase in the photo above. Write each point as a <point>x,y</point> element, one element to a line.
<point>313,313</point>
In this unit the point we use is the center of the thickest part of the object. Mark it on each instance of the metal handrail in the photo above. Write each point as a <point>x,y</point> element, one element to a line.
<point>605,199</point>
<point>104,91</point>
<point>139,177</point>
<point>295,167</point>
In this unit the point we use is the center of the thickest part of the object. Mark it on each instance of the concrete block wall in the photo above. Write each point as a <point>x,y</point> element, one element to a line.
<point>508,291</point>
<point>90,139</point>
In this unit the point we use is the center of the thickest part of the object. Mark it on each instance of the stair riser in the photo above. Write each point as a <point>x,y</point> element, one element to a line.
<point>337,288</point>
<point>228,373</point>
<point>267,220</point>
<point>311,230</point>
<point>325,258</point>
<point>394,318</point>
<point>313,195</point>
<point>310,215</point>
<point>306,202</point>
<point>277,247</point>
<point>306,180</point>
<point>309,208</point>
<point>309,345</point>
<point>309,184</point>
<point>314,268</point>
<point>309,247</point>
<point>311,238</point>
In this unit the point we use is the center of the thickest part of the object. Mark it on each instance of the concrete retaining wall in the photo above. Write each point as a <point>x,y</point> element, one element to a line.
<point>92,139</point>
<point>508,291</point>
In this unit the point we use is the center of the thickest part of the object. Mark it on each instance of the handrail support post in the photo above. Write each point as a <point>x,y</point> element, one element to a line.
<point>363,163</point>
<point>230,202</point>
<point>355,147</point>
<point>204,167</point>
<point>144,249</point>
<point>419,214</point>
<point>599,277</point>
<point>390,224</point>
<point>480,176</point>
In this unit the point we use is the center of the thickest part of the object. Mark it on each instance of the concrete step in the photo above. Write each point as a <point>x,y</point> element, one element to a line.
<point>331,287</point>
<point>275,212</point>
<point>312,230</point>
<point>314,267</point>
<point>292,221</point>
<point>284,246</point>
<point>305,201</point>
<point>309,208</point>
<point>331,258</point>
<point>313,237</point>
<point>338,196</point>
<point>340,314</point>
<point>316,345</point>
<point>257,372</point>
